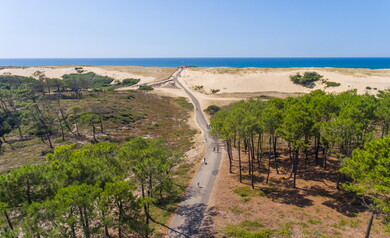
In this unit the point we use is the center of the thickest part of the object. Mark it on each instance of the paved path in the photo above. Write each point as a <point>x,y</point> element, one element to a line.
<point>188,218</point>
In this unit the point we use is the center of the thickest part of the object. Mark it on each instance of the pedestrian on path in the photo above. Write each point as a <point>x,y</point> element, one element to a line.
<point>198,185</point>
<point>204,160</point>
<point>214,148</point>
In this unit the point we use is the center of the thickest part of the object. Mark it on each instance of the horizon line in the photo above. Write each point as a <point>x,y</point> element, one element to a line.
<point>240,57</point>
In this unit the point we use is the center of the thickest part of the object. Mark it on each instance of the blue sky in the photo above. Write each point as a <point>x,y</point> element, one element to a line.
<point>198,28</point>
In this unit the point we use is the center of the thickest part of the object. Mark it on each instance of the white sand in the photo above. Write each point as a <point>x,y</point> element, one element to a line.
<point>234,84</point>
<point>146,75</point>
<point>251,80</point>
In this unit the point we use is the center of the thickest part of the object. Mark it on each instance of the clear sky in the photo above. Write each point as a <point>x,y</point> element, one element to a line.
<point>197,28</point>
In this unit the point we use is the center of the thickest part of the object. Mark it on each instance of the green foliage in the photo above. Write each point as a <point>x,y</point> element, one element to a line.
<point>332,84</point>
<point>182,101</point>
<point>248,229</point>
<point>198,88</point>
<point>212,109</point>
<point>90,79</point>
<point>214,91</point>
<point>370,170</point>
<point>313,222</point>
<point>128,82</point>
<point>334,123</point>
<point>87,189</point>
<point>307,80</point>
<point>145,88</point>
<point>248,192</point>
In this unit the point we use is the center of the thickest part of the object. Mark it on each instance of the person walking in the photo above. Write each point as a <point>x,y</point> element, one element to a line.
<point>204,160</point>
<point>198,185</point>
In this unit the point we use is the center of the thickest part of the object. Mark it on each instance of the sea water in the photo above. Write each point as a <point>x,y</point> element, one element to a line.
<point>370,63</point>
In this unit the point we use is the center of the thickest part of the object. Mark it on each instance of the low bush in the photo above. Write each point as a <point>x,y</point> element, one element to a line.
<point>332,84</point>
<point>128,82</point>
<point>212,109</point>
<point>145,88</point>
<point>307,80</point>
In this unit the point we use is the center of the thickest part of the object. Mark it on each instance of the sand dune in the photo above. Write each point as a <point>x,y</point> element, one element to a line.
<point>146,74</point>
<point>234,84</point>
<point>251,80</point>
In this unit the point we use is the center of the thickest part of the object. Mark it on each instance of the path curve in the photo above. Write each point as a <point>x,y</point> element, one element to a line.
<point>190,213</point>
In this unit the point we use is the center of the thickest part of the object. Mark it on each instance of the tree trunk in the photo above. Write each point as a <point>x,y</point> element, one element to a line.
<point>228,147</point>
<point>120,208</point>
<point>275,154</point>
<point>77,130</point>
<point>295,167</point>
<point>251,163</point>
<point>106,232</point>
<point>8,220</point>
<point>249,157</point>
<point>145,209</point>
<point>317,145</point>
<point>83,223</point>
<point>324,160</point>
<point>370,224</point>
<point>239,160</point>
<point>338,181</point>
<point>49,140</point>
<point>64,119</point>
<point>94,132</point>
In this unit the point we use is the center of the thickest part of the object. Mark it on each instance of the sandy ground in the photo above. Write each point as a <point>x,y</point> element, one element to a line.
<point>233,84</point>
<point>251,80</point>
<point>236,84</point>
<point>311,210</point>
<point>146,74</point>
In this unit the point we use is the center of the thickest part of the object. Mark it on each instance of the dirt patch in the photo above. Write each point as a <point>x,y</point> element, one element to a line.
<point>315,209</point>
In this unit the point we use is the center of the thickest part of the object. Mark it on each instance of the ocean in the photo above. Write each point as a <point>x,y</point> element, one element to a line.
<point>370,63</point>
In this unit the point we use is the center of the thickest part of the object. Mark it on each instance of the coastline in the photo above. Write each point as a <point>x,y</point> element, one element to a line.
<point>233,84</point>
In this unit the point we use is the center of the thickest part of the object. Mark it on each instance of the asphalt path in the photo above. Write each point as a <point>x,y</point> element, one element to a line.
<point>190,213</point>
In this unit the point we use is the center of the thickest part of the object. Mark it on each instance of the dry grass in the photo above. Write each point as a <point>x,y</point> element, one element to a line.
<point>146,115</point>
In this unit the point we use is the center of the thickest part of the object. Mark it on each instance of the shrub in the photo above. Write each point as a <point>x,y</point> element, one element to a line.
<point>128,82</point>
<point>307,80</point>
<point>332,84</point>
<point>90,79</point>
<point>213,91</point>
<point>198,87</point>
<point>182,101</point>
<point>368,88</point>
<point>212,109</point>
<point>313,222</point>
<point>248,192</point>
<point>146,88</point>
<point>248,229</point>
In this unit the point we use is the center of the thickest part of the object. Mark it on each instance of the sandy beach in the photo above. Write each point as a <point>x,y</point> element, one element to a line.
<point>232,84</point>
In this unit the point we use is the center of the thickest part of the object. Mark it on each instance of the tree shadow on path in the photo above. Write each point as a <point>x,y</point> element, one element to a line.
<point>193,215</point>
